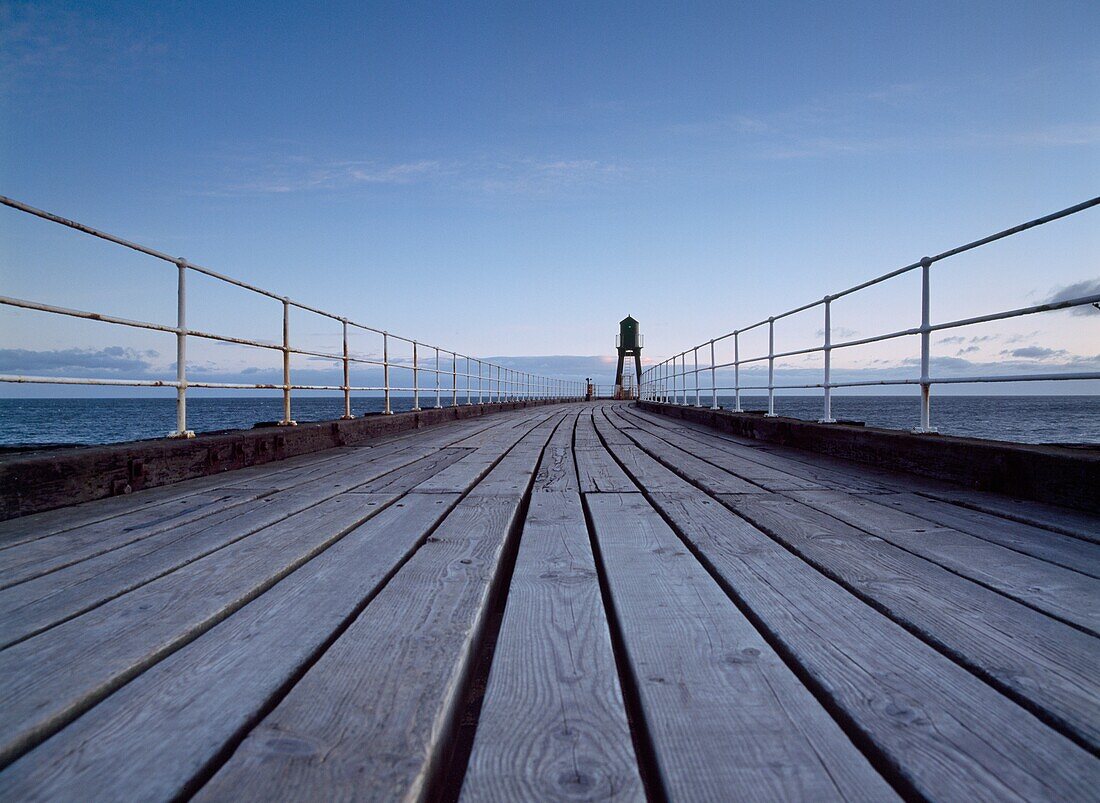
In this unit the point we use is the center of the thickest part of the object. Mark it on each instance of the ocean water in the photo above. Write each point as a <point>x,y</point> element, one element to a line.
<point>1024,419</point>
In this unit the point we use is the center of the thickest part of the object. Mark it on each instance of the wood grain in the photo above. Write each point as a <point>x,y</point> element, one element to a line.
<point>1043,662</point>
<point>116,641</point>
<point>370,718</point>
<point>552,723</point>
<point>727,718</point>
<point>149,739</point>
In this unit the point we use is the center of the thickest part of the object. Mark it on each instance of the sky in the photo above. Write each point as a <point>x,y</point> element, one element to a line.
<point>511,179</point>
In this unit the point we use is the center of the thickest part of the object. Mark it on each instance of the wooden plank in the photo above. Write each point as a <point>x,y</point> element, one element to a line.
<point>43,555</point>
<point>766,477</point>
<point>407,477</point>
<point>1055,547</point>
<point>1045,664</point>
<point>1076,523</point>
<point>825,471</point>
<point>115,641</point>
<point>585,436</point>
<point>370,719</point>
<point>46,601</point>
<point>151,738</point>
<point>1059,592</point>
<point>707,476</point>
<point>599,473</point>
<point>724,713</point>
<point>553,725</point>
<point>558,471</point>
<point>949,735</point>
<point>513,475</point>
<point>470,469</point>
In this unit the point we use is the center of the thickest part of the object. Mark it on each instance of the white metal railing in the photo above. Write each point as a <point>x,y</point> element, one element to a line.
<point>667,381</point>
<point>491,383</point>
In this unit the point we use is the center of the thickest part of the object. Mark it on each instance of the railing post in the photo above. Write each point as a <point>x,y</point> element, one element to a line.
<point>771,368</point>
<point>454,379</point>
<point>347,374</point>
<point>416,380</point>
<point>386,373</point>
<point>827,418</point>
<point>287,420</point>
<point>684,377</point>
<point>698,403</point>
<point>468,402</point>
<point>438,404</point>
<point>713,380</point>
<point>925,349</point>
<point>181,430</point>
<point>736,373</point>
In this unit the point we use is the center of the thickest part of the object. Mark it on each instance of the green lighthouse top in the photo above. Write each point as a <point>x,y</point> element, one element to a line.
<point>629,336</point>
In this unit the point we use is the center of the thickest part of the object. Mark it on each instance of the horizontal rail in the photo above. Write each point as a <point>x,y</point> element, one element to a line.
<point>457,376</point>
<point>668,380</point>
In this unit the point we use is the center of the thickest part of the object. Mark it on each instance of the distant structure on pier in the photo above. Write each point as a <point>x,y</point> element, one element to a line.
<point>629,343</point>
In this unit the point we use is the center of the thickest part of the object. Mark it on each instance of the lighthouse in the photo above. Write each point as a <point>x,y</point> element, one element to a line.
<point>628,343</point>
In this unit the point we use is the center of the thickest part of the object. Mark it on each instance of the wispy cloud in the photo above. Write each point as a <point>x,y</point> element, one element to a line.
<point>855,123</point>
<point>251,174</point>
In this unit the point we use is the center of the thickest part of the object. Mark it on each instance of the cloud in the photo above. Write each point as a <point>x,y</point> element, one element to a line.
<point>282,173</point>
<point>1088,287</point>
<point>836,124</point>
<point>403,173</point>
<point>1035,353</point>
<point>116,362</point>
<point>840,332</point>
<point>101,362</point>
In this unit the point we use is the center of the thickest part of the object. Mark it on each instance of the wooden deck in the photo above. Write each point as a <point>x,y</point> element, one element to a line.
<point>567,602</point>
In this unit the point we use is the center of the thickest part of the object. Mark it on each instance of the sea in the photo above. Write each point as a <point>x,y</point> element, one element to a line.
<point>1023,419</point>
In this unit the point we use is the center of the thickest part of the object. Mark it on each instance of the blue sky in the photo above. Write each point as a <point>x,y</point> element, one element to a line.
<point>513,178</point>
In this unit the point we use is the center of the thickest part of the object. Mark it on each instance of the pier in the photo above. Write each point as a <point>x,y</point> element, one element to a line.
<point>528,587</point>
<point>565,601</point>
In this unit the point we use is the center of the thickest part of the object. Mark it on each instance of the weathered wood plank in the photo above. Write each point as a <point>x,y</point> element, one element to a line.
<point>725,715</point>
<point>149,739</point>
<point>404,479</point>
<point>949,735</point>
<point>766,477</point>
<point>1063,550</point>
<point>585,436</point>
<point>707,476</point>
<point>558,471</point>
<point>599,473</point>
<point>113,642</point>
<point>46,601</point>
<point>1076,523</point>
<point>371,718</point>
<point>1057,591</point>
<point>471,468</point>
<point>825,471</point>
<point>43,555</point>
<point>552,723</point>
<point>1045,664</point>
